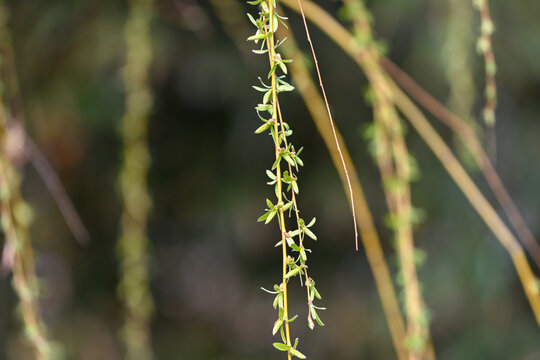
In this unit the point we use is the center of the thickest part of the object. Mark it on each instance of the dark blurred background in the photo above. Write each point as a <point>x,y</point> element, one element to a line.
<point>209,256</point>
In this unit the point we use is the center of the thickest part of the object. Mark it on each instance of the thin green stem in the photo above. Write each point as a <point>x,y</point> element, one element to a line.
<point>272,57</point>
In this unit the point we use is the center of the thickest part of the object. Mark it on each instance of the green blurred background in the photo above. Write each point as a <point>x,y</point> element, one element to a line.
<point>209,256</point>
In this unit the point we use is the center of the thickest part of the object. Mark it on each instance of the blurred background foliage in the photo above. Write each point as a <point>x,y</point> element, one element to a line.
<point>208,254</point>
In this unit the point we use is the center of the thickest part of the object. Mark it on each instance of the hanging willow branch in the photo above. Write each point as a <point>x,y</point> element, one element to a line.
<point>317,108</point>
<point>134,288</point>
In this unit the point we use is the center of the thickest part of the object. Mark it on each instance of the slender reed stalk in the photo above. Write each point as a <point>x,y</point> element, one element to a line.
<point>134,289</point>
<point>345,40</point>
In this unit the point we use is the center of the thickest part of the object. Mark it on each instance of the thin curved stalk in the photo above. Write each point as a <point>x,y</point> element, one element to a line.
<point>331,120</point>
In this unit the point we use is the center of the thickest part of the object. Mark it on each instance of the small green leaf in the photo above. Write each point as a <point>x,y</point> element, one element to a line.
<point>262,107</point>
<point>275,23</point>
<point>258,36</point>
<point>287,206</point>
<point>317,295</point>
<point>252,20</point>
<point>288,159</point>
<point>282,347</point>
<point>271,175</point>
<point>282,66</point>
<point>312,222</point>
<point>276,163</point>
<point>271,215</point>
<point>286,87</point>
<point>266,97</point>
<point>277,326</point>
<point>309,233</point>
<point>315,315</point>
<point>290,241</point>
<point>263,127</point>
<point>263,217</point>
<point>293,233</point>
<point>293,272</point>
<point>258,88</point>
<point>297,353</point>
